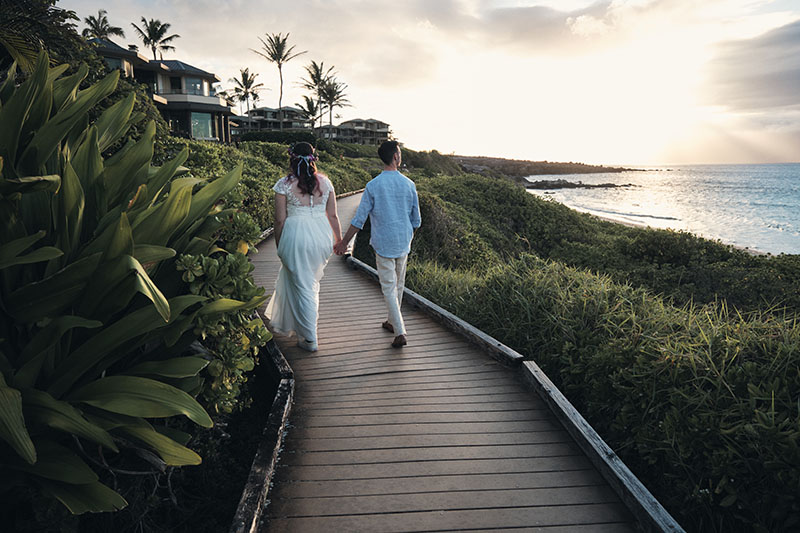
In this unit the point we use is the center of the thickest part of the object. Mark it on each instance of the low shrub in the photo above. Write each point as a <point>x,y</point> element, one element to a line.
<point>283,137</point>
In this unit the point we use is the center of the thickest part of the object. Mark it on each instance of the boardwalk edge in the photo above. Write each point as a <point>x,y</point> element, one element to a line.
<point>642,504</point>
<point>652,516</point>
<point>259,480</point>
<point>496,349</point>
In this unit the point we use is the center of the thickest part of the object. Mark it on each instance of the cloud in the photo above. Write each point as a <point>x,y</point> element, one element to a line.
<point>758,74</point>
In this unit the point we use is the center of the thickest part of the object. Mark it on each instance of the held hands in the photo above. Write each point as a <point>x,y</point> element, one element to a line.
<point>340,248</point>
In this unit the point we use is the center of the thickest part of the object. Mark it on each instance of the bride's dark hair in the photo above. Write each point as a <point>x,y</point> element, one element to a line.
<point>302,162</point>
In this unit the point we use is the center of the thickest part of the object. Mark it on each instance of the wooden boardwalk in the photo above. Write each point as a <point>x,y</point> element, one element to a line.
<point>436,436</point>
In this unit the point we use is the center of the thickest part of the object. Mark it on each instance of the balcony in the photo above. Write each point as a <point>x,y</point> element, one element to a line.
<point>190,96</point>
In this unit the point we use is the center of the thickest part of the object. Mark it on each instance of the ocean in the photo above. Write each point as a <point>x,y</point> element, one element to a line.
<point>749,206</point>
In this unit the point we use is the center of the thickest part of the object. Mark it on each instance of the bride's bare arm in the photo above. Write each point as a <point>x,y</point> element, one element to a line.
<point>280,216</point>
<point>333,215</point>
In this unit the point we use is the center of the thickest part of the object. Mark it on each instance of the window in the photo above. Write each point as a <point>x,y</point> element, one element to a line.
<point>175,84</point>
<point>201,126</point>
<point>114,62</point>
<point>194,86</point>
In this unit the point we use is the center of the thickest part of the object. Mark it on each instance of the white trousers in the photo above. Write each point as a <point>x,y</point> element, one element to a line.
<point>392,275</point>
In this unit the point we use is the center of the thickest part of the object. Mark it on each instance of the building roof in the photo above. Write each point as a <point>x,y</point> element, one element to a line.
<point>179,67</point>
<point>104,46</point>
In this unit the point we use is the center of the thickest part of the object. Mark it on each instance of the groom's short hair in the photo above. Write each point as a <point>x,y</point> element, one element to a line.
<point>387,150</point>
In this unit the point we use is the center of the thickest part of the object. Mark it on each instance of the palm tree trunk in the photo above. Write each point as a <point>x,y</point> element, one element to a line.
<point>280,99</point>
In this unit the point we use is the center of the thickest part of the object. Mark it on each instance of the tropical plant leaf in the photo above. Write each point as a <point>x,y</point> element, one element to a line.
<point>206,197</point>
<point>48,137</point>
<point>44,409</point>
<point>65,90</point>
<point>149,253</point>
<point>15,111</point>
<point>114,122</point>
<point>71,202</point>
<point>171,452</point>
<point>179,367</point>
<point>137,396</point>
<point>90,497</point>
<point>12,423</point>
<point>157,181</point>
<point>59,463</point>
<point>32,356</point>
<point>124,173</point>
<point>28,184</point>
<point>158,225</point>
<point>9,252</point>
<point>49,297</point>
<point>226,305</point>
<point>93,351</point>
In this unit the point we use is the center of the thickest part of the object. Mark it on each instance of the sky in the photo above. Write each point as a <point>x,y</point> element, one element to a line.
<point>622,82</point>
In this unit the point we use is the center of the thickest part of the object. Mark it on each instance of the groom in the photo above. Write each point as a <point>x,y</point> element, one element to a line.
<point>390,201</point>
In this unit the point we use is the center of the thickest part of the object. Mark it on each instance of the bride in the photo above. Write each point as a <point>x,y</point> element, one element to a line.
<point>306,226</point>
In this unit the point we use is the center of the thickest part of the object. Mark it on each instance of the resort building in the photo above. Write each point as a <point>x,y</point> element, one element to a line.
<point>184,94</point>
<point>267,119</point>
<point>357,131</point>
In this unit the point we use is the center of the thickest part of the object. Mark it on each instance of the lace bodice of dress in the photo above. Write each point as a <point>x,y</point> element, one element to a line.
<point>298,203</point>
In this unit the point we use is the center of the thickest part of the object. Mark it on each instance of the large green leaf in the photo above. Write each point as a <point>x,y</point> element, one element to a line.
<point>88,161</point>
<point>206,197</point>
<point>14,113</point>
<point>123,174</point>
<point>115,121</point>
<point>32,356</point>
<point>70,202</point>
<point>179,367</point>
<point>227,305</point>
<point>156,226</point>
<point>12,423</point>
<point>27,184</point>
<point>48,137</point>
<point>111,277</point>
<point>110,339</point>
<point>170,451</point>
<point>137,396</point>
<point>157,181</point>
<point>90,497</point>
<point>59,463</point>
<point>149,253</point>
<point>9,253</point>
<point>51,296</point>
<point>44,409</point>
<point>65,90</point>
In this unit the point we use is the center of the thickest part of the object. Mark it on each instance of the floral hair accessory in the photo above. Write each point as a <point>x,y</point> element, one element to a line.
<point>307,158</point>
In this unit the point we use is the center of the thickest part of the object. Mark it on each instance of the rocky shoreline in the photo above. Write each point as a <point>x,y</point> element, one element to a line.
<point>564,184</point>
<point>516,168</point>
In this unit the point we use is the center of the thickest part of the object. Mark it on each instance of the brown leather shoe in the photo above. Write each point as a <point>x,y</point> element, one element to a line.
<point>388,326</point>
<point>399,341</point>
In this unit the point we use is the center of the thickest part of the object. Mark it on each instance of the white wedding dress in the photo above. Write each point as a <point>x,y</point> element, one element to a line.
<point>306,245</point>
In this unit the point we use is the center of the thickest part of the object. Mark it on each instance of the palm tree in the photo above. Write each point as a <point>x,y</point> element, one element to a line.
<point>246,86</point>
<point>276,50</point>
<point>98,27</point>
<point>310,110</point>
<point>228,97</point>
<point>153,34</point>
<point>332,93</point>
<point>316,77</point>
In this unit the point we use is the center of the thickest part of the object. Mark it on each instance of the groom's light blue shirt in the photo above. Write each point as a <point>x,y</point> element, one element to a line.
<point>391,203</point>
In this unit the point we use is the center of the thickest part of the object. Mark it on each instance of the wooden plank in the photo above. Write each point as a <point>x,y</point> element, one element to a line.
<point>453,520</point>
<point>468,398</point>
<point>427,441</point>
<point>417,418</point>
<point>441,407</point>
<point>490,500</point>
<point>421,455</point>
<point>411,485</point>
<point>443,468</point>
<point>477,428</point>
